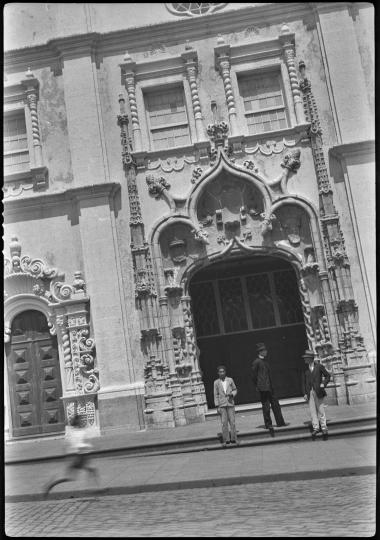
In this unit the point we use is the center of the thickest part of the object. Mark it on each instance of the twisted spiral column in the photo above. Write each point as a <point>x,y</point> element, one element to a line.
<point>306,312</point>
<point>32,103</point>
<point>296,93</point>
<point>225,70</point>
<point>131,90</point>
<point>192,76</point>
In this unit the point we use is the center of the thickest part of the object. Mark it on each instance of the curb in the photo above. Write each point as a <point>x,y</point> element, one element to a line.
<point>202,483</point>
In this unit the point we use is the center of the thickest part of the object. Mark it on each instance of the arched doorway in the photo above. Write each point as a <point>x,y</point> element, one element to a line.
<point>238,303</point>
<point>34,376</point>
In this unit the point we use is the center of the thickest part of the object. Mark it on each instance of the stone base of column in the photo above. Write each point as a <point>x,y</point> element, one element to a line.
<point>121,408</point>
<point>360,384</point>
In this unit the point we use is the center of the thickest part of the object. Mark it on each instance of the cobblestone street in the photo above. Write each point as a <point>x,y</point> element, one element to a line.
<point>340,506</point>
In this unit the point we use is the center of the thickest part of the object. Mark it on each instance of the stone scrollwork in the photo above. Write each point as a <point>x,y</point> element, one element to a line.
<point>196,174</point>
<point>67,308</point>
<point>250,165</point>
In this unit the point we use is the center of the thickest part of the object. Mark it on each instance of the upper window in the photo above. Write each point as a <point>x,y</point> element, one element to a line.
<point>167,118</point>
<point>16,152</point>
<point>264,104</point>
<point>194,8</point>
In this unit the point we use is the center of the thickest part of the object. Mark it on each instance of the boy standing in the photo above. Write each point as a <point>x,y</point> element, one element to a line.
<point>224,393</point>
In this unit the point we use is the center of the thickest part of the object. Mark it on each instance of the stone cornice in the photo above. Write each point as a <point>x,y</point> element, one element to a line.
<point>140,38</point>
<point>88,192</point>
<point>341,151</point>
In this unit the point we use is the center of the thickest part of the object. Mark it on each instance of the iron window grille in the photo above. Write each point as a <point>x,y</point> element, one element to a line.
<point>246,303</point>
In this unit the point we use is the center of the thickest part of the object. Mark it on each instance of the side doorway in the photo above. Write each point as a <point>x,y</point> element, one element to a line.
<point>34,377</point>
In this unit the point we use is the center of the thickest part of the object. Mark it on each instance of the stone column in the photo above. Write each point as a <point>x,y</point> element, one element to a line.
<point>287,42</point>
<point>39,171</point>
<point>190,58</point>
<point>223,64</point>
<point>129,68</point>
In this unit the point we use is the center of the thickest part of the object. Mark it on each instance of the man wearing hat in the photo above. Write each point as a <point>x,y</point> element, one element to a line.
<point>262,380</point>
<point>314,392</point>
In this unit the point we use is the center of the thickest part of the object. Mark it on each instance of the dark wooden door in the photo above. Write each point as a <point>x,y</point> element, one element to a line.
<point>34,377</point>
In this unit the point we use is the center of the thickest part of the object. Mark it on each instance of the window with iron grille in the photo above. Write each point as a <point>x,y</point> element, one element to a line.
<point>204,307</point>
<point>272,300</point>
<point>16,152</point>
<point>287,294</point>
<point>167,118</point>
<point>264,103</point>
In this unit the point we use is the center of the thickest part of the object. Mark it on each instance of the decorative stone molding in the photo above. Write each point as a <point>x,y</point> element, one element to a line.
<point>130,83</point>
<point>270,147</point>
<point>291,160</point>
<point>201,235</point>
<point>223,65</point>
<point>196,174</point>
<point>250,165</point>
<point>194,9</point>
<point>287,41</point>
<point>156,186</point>
<point>190,58</point>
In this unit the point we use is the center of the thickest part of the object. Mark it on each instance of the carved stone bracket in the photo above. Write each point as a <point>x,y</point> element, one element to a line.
<point>156,186</point>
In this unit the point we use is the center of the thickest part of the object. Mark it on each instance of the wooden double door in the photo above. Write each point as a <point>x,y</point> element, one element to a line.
<point>34,377</point>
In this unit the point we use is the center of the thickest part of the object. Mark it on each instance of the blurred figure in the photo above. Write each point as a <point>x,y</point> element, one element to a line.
<point>78,446</point>
<point>224,393</point>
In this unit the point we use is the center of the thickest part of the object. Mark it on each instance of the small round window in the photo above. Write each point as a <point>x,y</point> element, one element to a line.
<point>192,9</point>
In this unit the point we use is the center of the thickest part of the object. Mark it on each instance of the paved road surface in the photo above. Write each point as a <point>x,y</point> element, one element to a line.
<point>343,506</point>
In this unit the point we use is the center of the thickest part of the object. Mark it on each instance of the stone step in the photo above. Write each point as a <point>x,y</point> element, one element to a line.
<point>249,407</point>
<point>292,432</point>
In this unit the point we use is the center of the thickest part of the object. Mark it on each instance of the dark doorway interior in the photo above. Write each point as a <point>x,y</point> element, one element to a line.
<point>34,377</point>
<point>238,303</point>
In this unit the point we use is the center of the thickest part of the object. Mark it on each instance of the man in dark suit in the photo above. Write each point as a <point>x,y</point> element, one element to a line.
<point>263,382</point>
<point>315,381</point>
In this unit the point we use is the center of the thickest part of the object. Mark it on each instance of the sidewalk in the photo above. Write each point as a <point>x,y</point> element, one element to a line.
<point>233,466</point>
<point>246,422</point>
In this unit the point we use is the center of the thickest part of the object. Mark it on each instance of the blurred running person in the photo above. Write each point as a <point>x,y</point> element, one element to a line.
<point>78,446</point>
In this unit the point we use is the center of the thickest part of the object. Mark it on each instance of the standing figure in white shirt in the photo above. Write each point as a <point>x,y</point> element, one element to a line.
<point>78,450</point>
<point>224,393</point>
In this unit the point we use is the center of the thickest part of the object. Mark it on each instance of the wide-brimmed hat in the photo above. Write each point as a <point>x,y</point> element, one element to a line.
<point>308,355</point>
<point>260,347</point>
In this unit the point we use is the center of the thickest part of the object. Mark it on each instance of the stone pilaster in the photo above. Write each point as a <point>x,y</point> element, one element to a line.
<point>130,85</point>
<point>190,58</point>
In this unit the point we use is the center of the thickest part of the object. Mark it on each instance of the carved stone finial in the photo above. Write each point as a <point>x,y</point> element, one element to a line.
<point>284,29</point>
<point>127,57</point>
<point>79,285</point>
<point>29,74</point>
<point>220,40</point>
<point>188,47</point>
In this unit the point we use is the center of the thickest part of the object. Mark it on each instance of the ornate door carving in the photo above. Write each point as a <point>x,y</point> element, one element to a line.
<point>34,376</point>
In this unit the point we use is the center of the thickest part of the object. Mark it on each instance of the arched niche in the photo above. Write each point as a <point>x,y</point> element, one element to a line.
<point>291,228</point>
<point>229,207</point>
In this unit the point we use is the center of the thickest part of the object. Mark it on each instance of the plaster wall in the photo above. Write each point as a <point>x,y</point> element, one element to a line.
<point>48,234</point>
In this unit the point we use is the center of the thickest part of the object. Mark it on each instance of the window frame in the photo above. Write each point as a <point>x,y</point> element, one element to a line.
<point>251,328</point>
<point>273,67</point>
<point>155,88</point>
<point>13,110</point>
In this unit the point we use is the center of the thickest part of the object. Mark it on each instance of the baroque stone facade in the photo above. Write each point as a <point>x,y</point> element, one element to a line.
<point>180,155</point>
